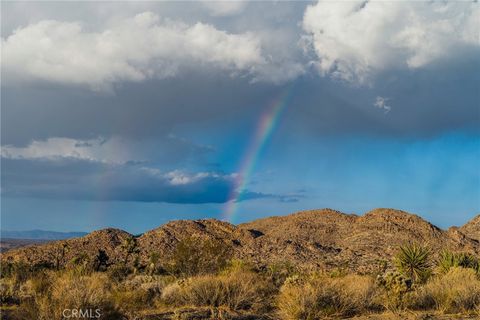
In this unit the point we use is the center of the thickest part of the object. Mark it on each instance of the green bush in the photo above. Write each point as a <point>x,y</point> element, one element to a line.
<point>450,260</point>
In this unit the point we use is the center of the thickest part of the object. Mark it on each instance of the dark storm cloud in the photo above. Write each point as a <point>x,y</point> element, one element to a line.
<point>150,109</point>
<point>424,103</point>
<point>90,180</point>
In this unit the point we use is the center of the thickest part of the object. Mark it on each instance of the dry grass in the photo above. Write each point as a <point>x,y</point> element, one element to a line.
<point>457,291</point>
<point>322,296</point>
<point>139,292</point>
<point>236,291</point>
<point>68,290</point>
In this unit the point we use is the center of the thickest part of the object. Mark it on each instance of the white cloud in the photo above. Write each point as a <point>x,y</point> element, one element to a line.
<point>99,149</point>
<point>170,149</point>
<point>355,40</point>
<point>180,177</point>
<point>381,103</point>
<point>224,7</point>
<point>131,49</point>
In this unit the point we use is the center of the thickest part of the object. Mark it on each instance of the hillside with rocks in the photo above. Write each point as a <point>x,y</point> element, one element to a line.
<point>472,228</point>
<point>319,239</point>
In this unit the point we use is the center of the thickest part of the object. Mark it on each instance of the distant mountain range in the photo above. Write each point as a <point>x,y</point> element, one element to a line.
<point>40,235</point>
<point>319,239</point>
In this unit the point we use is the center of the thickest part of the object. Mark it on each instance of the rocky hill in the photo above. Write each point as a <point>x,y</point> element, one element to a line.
<point>472,228</point>
<point>106,242</point>
<point>321,239</point>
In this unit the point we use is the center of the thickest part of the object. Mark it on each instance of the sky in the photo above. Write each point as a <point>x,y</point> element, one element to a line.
<point>132,114</point>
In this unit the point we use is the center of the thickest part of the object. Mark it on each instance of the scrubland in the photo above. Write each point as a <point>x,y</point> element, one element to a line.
<point>212,285</point>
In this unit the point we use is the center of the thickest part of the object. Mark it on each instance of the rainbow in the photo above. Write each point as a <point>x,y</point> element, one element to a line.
<point>266,125</point>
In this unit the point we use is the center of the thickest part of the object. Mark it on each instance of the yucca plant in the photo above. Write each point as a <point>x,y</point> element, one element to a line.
<point>413,261</point>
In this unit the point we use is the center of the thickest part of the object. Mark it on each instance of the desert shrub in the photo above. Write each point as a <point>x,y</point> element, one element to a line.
<point>450,260</point>
<point>69,290</point>
<point>14,276</point>
<point>279,271</point>
<point>338,272</point>
<point>320,297</point>
<point>412,261</point>
<point>456,291</point>
<point>9,291</point>
<point>395,290</point>
<point>238,265</point>
<point>81,259</point>
<point>236,291</point>
<point>194,256</point>
<point>154,284</point>
<point>153,264</point>
<point>19,271</point>
<point>138,292</point>
<point>131,301</point>
<point>118,273</point>
<point>37,286</point>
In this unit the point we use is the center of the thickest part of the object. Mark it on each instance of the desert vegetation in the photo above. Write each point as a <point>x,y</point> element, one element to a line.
<point>201,280</point>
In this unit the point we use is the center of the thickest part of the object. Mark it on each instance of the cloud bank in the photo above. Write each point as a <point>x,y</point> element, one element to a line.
<point>113,150</point>
<point>350,41</point>
<point>103,169</point>
<point>70,178</point>
<point>133,49</point>
<point>354,41</point>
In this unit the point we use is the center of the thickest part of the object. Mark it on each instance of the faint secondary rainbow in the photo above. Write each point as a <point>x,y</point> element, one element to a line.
<point>263,132</point>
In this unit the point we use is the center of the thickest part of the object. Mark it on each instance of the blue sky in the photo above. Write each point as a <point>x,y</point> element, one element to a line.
<point>133,115</point>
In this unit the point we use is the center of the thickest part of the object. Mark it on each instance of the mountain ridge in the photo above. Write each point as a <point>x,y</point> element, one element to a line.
<point>39,234</point>
<point>320,239</point>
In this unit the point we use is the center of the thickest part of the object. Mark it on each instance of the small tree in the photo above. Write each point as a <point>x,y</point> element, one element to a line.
<point>412,261</point>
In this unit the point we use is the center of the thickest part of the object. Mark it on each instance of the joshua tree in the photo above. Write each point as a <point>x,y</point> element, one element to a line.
<point>59,255</point>
<point>412,260</point>
<point>129,245</point>
<point>101,261</point>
